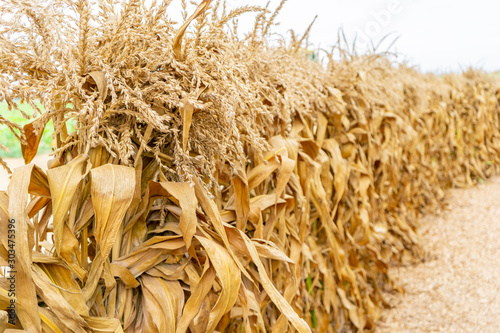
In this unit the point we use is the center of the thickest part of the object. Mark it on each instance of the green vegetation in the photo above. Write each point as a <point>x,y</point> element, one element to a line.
<point>8,139</point>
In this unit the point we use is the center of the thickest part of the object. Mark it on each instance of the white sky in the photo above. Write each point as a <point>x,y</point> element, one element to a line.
<point>435,35</point>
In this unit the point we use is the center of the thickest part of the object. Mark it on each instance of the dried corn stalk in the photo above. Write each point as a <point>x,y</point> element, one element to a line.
<point>218,183</point>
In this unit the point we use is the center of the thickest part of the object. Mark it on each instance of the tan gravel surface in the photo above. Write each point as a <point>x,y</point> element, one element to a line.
<point>457,288</point>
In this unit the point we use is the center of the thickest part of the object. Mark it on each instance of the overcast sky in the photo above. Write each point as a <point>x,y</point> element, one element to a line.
<point>436,35</point>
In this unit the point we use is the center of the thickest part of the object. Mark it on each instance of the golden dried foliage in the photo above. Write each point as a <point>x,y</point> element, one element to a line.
<point>220,183</point>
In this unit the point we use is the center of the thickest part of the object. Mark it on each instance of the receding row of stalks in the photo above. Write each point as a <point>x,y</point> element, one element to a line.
<point>216,182</point>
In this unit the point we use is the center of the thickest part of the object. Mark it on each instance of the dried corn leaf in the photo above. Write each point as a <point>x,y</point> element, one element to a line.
<point>25,287</point>
<point>229,278</point>
<point>184,192</point>
<point>33,138</point>
<point>112,192</point>
<point>163,303</point>
<point>63,182</point>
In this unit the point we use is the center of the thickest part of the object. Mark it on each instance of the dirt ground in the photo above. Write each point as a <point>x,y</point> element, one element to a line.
<point>40,160</point>
<point>457,289</point>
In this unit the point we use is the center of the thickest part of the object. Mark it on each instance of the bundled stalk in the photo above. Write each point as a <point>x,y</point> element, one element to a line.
<point>216,182</point>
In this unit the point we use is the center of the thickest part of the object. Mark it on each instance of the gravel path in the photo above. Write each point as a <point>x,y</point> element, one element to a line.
<point>457,289</point>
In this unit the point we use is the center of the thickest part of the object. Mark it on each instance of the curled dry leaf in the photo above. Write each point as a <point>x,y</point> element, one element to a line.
<point>202,7</point>
<point>184,192</point>
<point>112,190</point>
<point>229,278</point>
<point>33,132</point>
